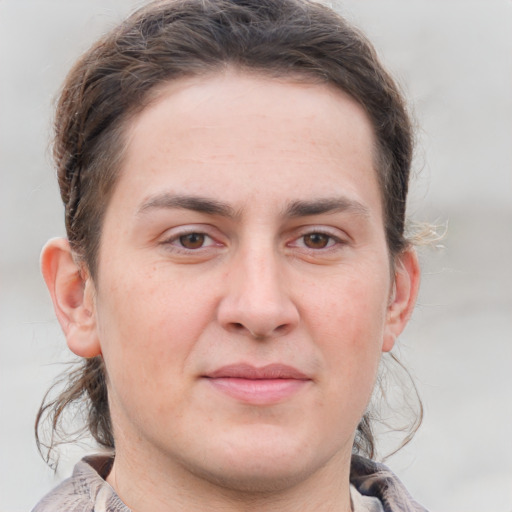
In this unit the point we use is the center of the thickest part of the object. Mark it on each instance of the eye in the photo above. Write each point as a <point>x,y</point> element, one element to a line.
<point>318,240</point>
<point>194,240</point>
<point>183,242</point>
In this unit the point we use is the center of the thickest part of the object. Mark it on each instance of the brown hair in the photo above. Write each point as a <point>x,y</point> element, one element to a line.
<point>171,39</point>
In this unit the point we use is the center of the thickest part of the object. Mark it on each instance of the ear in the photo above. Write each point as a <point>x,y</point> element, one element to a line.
<point>403,297</point>
<point>72,293</point>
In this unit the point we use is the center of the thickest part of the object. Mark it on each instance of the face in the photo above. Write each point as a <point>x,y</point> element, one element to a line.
<point>243,293</point>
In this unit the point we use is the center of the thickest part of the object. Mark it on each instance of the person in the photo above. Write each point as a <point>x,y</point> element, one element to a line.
<point>235,176</point>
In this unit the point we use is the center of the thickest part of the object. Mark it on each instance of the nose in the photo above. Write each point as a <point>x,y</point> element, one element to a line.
<point>257,301</point>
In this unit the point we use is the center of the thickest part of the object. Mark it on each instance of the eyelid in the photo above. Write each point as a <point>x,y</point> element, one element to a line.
<point>339,237</point>
<point>177,240</point>
<point>171,237</point>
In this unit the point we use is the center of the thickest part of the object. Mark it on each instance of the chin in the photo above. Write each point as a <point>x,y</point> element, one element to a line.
<point>258,479</point>
<point>265,465</point>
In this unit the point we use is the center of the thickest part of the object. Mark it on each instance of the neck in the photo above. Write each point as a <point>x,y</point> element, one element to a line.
<point>148,485</point>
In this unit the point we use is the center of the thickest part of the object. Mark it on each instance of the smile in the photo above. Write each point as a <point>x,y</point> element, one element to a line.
<point>258,386</point>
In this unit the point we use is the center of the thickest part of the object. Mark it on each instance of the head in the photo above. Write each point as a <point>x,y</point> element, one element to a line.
<point>253,56</point>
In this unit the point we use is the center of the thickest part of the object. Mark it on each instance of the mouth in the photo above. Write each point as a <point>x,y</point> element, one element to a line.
<point>266,385</point>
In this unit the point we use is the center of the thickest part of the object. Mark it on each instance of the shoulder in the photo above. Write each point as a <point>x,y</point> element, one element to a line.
<point>85,491</point>
<point>377,480</point>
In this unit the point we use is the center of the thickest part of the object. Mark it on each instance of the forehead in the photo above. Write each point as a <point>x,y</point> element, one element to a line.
<point>225,131</point>
<point>235,96</point>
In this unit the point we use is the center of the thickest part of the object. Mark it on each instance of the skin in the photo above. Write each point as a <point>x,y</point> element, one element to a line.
<point>288,265</point>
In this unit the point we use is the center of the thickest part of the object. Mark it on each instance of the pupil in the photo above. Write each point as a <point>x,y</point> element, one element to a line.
<point>192,240</point>
<point>316,240</point>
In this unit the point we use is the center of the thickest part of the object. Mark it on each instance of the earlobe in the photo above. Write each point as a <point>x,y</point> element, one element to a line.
<point>403,298</point>
<point>72,293</point>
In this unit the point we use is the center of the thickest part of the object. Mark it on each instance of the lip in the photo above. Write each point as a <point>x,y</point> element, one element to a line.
<point>265,385</point>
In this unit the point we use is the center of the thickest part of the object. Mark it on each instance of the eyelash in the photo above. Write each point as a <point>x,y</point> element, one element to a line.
<point>175,241</point>
<point>334,242</point>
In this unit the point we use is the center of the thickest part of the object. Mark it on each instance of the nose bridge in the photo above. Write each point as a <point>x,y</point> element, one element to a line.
<point>257,301</point>
<point>262,277</point>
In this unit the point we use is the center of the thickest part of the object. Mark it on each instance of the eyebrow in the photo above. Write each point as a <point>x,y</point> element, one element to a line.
<point>195,203</point>
<point>213,207</point>
<point>326,205</point>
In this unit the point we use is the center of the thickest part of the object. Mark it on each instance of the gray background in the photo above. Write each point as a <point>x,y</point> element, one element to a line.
<point>454,61</point>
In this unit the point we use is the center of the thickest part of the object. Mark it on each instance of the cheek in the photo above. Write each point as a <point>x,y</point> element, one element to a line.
<point>147,306</point>
<point>147,329</point>
<point>347,322</point>
<point>351,308</point>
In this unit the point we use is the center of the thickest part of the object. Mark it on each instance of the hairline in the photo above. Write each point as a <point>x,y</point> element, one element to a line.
<point>119,134</point>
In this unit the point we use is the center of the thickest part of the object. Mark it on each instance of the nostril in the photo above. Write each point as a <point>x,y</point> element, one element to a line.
<point>281,329</point>
<point>241,328</point>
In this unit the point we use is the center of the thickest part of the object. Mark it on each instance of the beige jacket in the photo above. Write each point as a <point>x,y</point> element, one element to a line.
<point>87,491</point>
